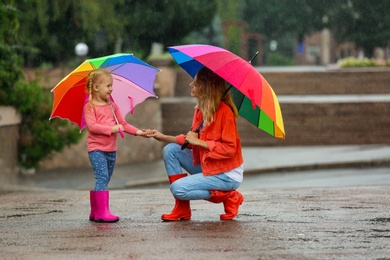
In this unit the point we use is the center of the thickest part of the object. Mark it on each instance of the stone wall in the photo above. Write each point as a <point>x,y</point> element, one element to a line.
<point>131,149</point>
<point>9,135</point>
<point>326,122</point>
<point>335,82</point>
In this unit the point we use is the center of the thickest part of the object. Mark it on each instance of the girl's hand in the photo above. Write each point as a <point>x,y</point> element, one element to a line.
<point>115,128</point>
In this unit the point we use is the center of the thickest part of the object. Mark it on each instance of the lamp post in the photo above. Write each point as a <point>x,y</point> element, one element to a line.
<point>81,50</point>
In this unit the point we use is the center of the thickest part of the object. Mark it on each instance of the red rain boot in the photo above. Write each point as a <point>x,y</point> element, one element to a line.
<point>231,202</point>
<point>102,210</point>
<point>92,203</point>
<point>182,210</point>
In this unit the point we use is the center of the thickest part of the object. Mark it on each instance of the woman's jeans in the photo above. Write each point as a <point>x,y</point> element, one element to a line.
<point>196,186</point>
<point>103,164</point>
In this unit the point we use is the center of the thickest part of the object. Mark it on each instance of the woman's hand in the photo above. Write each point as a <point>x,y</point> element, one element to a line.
<point>193,139</point>
<point>162,137</point>
<point>156,135</point>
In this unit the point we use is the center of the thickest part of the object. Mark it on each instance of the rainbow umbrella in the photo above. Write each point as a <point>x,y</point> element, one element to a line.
<point>253,96</point>
<point>133,82</point>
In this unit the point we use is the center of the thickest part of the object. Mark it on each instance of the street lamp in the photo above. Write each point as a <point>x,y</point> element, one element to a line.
<point>81,50</point>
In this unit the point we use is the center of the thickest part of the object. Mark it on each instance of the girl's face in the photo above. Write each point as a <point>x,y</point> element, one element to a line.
<point>103,88</point>
<point>194,88</point>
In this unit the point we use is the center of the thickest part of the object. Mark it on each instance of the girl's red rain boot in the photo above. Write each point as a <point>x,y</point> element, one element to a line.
<point>231,202</point>
<point>102,210</point>
<point>182,209</point>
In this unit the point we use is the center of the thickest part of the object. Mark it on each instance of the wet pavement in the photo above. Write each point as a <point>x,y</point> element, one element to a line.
<point>46,216</point>
<point>290,223</point>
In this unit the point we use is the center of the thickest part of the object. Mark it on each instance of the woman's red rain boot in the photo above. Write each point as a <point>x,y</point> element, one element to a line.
<point>182,210</point>
<point>102,210</point>
<point>231,202</point>
<point>92,203</point>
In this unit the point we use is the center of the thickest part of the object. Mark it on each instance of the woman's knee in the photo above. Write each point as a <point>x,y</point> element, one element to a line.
<point>178,191</point>
<point>169,150</point>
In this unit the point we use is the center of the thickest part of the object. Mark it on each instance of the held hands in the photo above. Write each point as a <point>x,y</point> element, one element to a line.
<point>144,133</point>
<point>156,135</point>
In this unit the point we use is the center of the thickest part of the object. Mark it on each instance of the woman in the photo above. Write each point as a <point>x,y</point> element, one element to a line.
<point>214,158</point>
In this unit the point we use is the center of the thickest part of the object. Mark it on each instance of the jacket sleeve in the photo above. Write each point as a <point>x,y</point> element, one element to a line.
<point>91,122</point>
<point>130,129</point>
<point>223,144</point>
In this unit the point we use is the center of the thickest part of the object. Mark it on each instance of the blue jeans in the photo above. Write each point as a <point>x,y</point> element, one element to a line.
<point>103,164</point>
<point>196,186</point>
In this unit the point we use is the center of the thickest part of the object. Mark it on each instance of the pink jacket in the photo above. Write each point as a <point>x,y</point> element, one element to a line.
<point>99,121</point>
<point>222,139</point>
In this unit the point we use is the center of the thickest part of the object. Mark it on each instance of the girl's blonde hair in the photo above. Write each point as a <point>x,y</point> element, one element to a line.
<point>212,90</point>
<point>92,79</point>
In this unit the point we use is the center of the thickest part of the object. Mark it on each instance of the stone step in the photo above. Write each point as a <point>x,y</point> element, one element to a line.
<point>332,120</point>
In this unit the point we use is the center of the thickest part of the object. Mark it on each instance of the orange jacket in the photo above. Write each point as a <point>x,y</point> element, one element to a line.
<point>222,139</point>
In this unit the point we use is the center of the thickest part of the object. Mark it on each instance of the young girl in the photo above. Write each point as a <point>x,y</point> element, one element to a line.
<point>102,134</point>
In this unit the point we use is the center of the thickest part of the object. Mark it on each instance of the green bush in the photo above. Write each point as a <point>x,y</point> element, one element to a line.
<point>39,136</point>
<point>276,59</point>
<point>362,62</point>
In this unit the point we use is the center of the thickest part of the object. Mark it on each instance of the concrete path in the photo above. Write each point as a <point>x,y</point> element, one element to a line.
<point>46,215</point>
<point>309,223</point>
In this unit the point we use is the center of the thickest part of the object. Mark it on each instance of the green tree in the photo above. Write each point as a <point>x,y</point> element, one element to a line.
<point>284,21</point>
<point>366,24</point>
<point>10,62</point>
<point>231,12</point>
<point>39,137</point>
<point>166,22</point>
<point>53,28</point>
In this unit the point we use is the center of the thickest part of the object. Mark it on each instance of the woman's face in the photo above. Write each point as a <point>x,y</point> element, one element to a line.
<point>194,88</point>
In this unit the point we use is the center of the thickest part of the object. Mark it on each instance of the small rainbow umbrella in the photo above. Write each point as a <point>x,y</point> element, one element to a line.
<point>133,82</point>
<point>253,96</point>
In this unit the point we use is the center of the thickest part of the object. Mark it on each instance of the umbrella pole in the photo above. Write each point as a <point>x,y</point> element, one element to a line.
<point>116,119</point>
<point>254,56</point>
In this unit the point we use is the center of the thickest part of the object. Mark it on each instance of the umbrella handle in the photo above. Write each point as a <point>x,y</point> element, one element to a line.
<point>121,133</point>
<point>131,105</point>
<point>186,143</point>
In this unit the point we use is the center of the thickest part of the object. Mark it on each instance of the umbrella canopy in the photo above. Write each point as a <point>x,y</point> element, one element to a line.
<point>133,82</point>
<point>251,93</point>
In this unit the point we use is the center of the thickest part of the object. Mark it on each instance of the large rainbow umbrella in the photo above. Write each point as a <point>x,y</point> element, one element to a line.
<point>253,96</point>
<point>133,82</point>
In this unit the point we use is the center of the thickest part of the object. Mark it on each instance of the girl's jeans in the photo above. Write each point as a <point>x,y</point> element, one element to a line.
<point>196,186</point>
<point>103,166</point>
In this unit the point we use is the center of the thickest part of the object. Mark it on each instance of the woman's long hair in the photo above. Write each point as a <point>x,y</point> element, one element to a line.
<point>212,90</point>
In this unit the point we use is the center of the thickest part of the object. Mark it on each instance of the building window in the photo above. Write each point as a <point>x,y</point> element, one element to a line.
<point>313,52</point>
